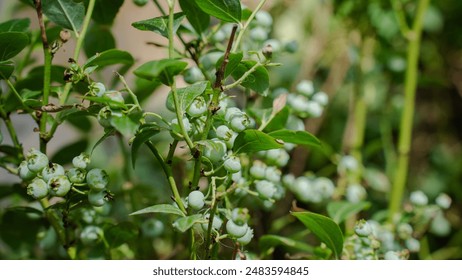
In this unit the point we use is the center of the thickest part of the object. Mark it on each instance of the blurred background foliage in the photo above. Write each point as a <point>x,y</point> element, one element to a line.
<point>349,49</point>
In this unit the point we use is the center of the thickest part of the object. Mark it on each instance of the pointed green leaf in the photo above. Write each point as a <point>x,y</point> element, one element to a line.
<point>125,124</point>
<point>110,57</point>
<point>184,223</point>
<point>258,80</point>
<point>107,133</point>
<point>279,121</point>
<point>105,11</point>
<point>160,208</point>
<point>163,70</point>
<point>339,211</point>
<point>12,43</point>
<point>226,10</point>
<point>251,141</point>
<point>271,241</point>
<point>16,25</point>
<point>296,137</point>
<point>98,39</point>
<point>325,229</point>
<point>141,137</point>
<point>186,95</point>
<point>233,62</point>
<point>6,69</point>
<point>197,18</point>
<point>65,13</point>
<point>159,25</point>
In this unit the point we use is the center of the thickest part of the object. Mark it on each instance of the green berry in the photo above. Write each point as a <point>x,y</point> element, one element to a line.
<point>347,164</point>
<point>418,198</point>
<point>59,185</point>
<point>392,256</point>
<point>324,186</point>
<point>264,19</point>
<point>51,171</point>
<point>193,75</point>
<point>305,87</point>
<point>196,200</point>
<point>404,231</point>
<point>258,34</point>
<point>232,164</point>
<point>197,108</point>
<point>97,179</point>
<point>239,122</point>
<point>240,216</point>
<point>244,240</point>
<point>321,97</point>
<point>265,188</point>
<point>443,201</point>
<point>24,172</point>
<point>215,150</point>
<point>314,109</point>
<point>38,188</point>
<point>81,161</point>
<point>76,175</point>
<point>216,224</point>
<point>104,117</point>
<point>413,245</point>
<point>152,228</point>
<point>116,99</point>
<point>236,230</point>
<point>140,3</point>
<point>97,89</point>
<point>363,229</point>
<point>273,174</point>
<point>176,130</point>
<point>96,198</point>
<point>36,161</point>
<point>91,235</point>
<point>258,170</point>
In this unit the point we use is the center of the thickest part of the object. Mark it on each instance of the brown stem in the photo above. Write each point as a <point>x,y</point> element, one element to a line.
<point>221,72</point>
<point>38,8</point>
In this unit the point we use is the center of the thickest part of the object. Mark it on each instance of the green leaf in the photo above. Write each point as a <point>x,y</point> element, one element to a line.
<point>296,137</point>
<point>251,141</point>
<point>105,11</point>
<point>107,133</point>
<point>233,62</point>
<point>65,13</point>
<point>16,25</point>
<point>339,211</point>
<point>67,153</point>
<point>12,43</point>
<point>257,80</point>
<point>160,208</point>
<point>119,234</point>
<point>98,39</point>
<point>125,124</point>
<point>163,70</point>
<point>269,241</point>
<point>140,138</point>
<point>110,57</point>
<point>19,227</point>
<point>186,95</point>
<point>197,18</point>
<point>80,122</point>
<point>6,69</point>
<point>159,25</point>
<point>324,228</point>
<point>226,10</point>
<point>184,223</point>
<point>279,121</point>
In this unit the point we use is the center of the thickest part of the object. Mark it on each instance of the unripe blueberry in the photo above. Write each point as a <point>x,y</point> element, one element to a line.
<point>278,157</point>
<point>96,198</point>
<point>215,151</point>
<point>224,133</point>
<point>38,188</point>
<point>232,164</point>
<point>210,59</point>
<point>219,36</point>
<point>391,255</point>
<point>91,235</point>
<point>240,216</point>
<point>257,170</point>
<point>288,181</point>
<point>413,245</point>
<point>273,174</point>
<point>197,108</point>
<point>230,142</point>
<point>97,179</point>
<point>244,240</point>
<point>59,185</point>
<point>355,193</point>
<point>52,170</point>
<point>216,224</point>
<point>140,3</point>
<point>305,88</point>
<point>196,200</point>
<point>347,164</point>
<point>236,230</point>
<point>24,172</point>
<point>440,226</point>
<point>363,229</point>
<point>258,34</point>
<point>76,175</point>
<point>116,98</point>
<point>321,98</point>
<point>193,75</point>
<point>36,161</point>
<point>265,188</point>
<point>104,117</point>
<point>418,198</point>
<point>152,228</point>
<point>97,89</point>
<point>404,231</point>
<point>81,161</point>
<point>264,19</point>
<point>314,109</point>
<point>231,112</point>
<point>291,47</point>
<point>443,201</point>
<point>176,130</point>
<point>295,123</point>
<point>324,186</point>
<point>298,103</point>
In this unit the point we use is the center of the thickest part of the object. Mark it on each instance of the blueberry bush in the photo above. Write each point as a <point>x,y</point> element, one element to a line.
<point>285,130</point>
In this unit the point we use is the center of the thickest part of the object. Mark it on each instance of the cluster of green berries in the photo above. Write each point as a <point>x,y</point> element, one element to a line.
<point>237,226</point>
<point>113,100</point>
<point>51,179</point>
<point>305,102</point>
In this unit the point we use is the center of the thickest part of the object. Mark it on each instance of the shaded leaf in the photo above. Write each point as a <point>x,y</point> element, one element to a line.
<point>163,70</point>
<point>339,211</point>
<point>251,141</point>
<point>186,95</point>
<point>17,25</point>
<point>197,18</point>
<point>257,80</point>
<point>296,137</point>
<point>226,10</point>
<point>324,228</point>
<point>160,208</point>
<point>105,11</point>
<point>107,133</point>
<point>110,57</point>
<point>279,121</point>
<point>98,39</point>
<point>184,223</point>
<point>271,241</point>
<point>121,233</point>
<point>140,138</point>
<point>125,124</point>
<point>12,43</point>
<point>159,25</point>
<point>68,152</point>
<point>65,13</point>
<point>6,69</point>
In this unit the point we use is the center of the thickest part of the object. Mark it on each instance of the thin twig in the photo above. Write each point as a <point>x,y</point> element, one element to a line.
<point>221,72</point>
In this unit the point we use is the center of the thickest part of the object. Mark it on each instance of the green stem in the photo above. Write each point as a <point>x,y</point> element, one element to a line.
<point>11,131</point>
<point>400,16</point>
<point>168,172</point>
<point>132,94</point>
<point>404,143</point>
<point>249,20</point>
<point>241,79</point>
<point>18,96</point>
<point>78,46</point>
